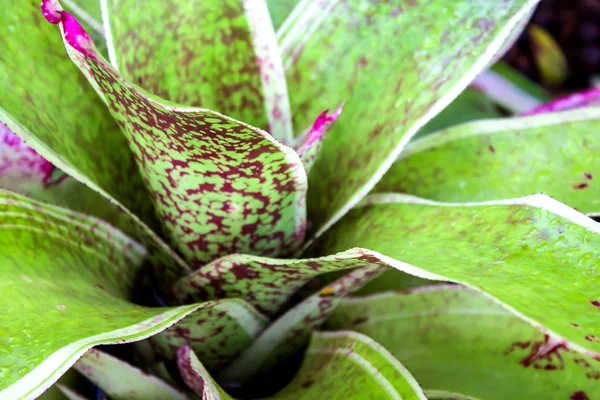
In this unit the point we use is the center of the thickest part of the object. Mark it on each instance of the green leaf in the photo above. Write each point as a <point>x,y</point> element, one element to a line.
<point>230,62</point>
<point>219,186</point>
<point>218,332</point>
<point>336,365</point>
<point>357,52</point>
<point>535,255</point>
<point>122,381</point>
<point>266,283</point>
<point>554,154</point>
<point>280,10</point>
<point>24,171</point>
<point>291,331</point>
<point>455,339</point>
<point>76,272</point>
<point>46,103</point>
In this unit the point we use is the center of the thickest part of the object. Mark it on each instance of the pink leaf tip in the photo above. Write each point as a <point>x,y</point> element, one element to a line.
<point>52,11</point>
<point>74,33</point>
<point>321,124</point>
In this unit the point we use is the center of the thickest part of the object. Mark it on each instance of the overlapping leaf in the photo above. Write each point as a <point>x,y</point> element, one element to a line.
<point>535,255</point>
<point>122,381</point>
<point>265,283</point>
<point>218,185</point>
<point>457,340</point>
<point>65,284</point>
<point>358,53</point>
<point>230,62</point>
<point>554,154</point>
<point>291,331</point>
<point>217,333</point>
<point>336,365</point>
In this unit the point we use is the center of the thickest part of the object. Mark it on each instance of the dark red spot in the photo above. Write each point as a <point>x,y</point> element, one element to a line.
<point>545,355</point>
<point>596,303</point>
<point>579,396</point>
<point>99,286</point>
<point>307,384</point>
<point>359,321</point>
<point>588,176</point>
<point>492,149</point>
<point>575,325</point>
<point>592,338</point>
<point>580,186</point>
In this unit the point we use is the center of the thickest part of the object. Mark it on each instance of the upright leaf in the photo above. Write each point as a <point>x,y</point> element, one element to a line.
<point>357,52</point>
<point>46,103</point>
<point>554,154</point>
<point>514,250</point>
<point>65,284</point>
<point>230,62</point>
<point>219,186</point>
<point>456,340</point>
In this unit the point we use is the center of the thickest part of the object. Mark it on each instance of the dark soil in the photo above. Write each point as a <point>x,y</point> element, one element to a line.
<point>575,25</point>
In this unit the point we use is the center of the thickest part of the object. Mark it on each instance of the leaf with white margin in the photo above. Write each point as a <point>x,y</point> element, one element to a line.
<point>356,52</point>
<point>554,154</point>
<point>65,284</point>
<point>536,256</point>
<point>218,185</point>
<point>291,331</point>
<point>230,62</point>
<point>457,340</point>
<point>122,381</point>
<point>336,365</point>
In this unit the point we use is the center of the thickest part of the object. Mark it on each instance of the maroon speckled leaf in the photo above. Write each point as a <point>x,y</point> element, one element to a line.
<point>219,186</point>
<point>265,283</point>
<point>218,332</point>
<point>292,330</point>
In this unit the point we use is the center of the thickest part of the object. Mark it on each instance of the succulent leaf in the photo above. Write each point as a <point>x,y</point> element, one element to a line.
<point>219,186</point>
<point>291,331</point>
<point>230,62</point>
<point>554,154</point>
<point>75,271</point>
<point>358,53</point>
<point>533,254</point>
<point>455,339</point>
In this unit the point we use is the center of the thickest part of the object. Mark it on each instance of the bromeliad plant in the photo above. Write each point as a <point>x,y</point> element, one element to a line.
<point>119,188</point>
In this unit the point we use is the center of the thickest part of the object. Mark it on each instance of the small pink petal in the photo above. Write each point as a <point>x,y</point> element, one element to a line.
<point>52,11</point>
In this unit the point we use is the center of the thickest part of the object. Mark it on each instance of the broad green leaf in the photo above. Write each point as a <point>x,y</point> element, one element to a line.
<point>266,283</point>
<point>219,186</point>
<point>554,154</point>
<point>45,101</point>
<point>336,365</point>
<point>357,52</point>
<point>24,171</point>
<point>457,340</point>
<point>122,381</point>
<point>535,255</point>
<point>230,62</point>
<point>509,88</point>
<point>65,282</point>
<point>470,105</point>
<point>217,333</point>
<point>291,331</point>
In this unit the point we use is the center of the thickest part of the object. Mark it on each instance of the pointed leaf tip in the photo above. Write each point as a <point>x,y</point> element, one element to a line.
<point>74,33</point>
<point>52,11</point>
